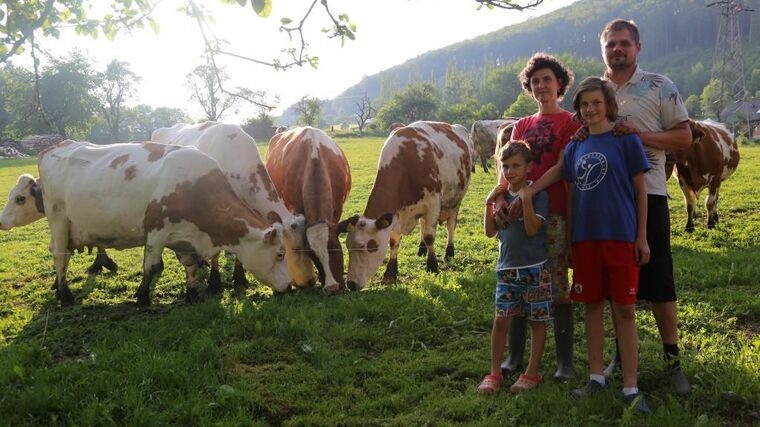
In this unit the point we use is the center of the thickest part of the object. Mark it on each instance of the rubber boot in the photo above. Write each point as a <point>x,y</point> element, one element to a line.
<point>517,331</point>
<point>563,339</point>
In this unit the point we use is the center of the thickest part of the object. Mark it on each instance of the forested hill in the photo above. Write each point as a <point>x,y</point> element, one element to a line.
<point>668,27</point>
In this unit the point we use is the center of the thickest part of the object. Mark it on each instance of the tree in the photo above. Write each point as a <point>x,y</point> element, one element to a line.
<point>417,101</point>
<point>523,106</point>
<point>711,100</point>
<point>309,111</point>
<point>261,127</point>
<point>364,111</point>
<point>206,91</point>
<point>693,106</point>
<point>115,86</point>
<point>486,112</point>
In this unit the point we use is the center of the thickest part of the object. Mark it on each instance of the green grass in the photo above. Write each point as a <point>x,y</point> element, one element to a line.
<point>406,354</point>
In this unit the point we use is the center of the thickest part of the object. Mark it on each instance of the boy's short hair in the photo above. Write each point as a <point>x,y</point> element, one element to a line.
<point>620,25</point>
<point>541,60</point>
<point>595,83</point>
<point>516,147</point>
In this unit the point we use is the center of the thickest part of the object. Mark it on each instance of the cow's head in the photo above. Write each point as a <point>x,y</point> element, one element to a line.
<point>24,204</point>
<point>367,242</point>
<point>262,252</point>
<point>300,266</point>
<point>327,252</point>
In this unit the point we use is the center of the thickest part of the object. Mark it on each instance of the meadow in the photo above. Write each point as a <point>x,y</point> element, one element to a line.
<point>409,353</point>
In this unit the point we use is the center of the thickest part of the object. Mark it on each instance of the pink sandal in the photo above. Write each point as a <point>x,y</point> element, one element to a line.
<point>526,382</point>
<point>490,384</point>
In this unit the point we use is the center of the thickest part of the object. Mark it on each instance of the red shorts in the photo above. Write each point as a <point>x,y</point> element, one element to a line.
<point>604,268</point>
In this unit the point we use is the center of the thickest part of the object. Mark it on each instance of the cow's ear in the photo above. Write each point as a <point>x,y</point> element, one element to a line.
<point>347,225</point>
<point>273,217</point>
<point>384,221</point>
<point>36,191</point>
<point>270,236</point>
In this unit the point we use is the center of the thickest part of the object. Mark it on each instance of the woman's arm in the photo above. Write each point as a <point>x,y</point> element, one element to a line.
<point>531,221</point>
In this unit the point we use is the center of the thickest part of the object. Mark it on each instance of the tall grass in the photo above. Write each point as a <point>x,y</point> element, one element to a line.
<point>404,354</point>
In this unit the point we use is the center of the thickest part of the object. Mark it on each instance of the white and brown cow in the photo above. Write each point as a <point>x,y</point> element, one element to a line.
<point>312,174</point>
<point>711,158</point>
<point>483,134</point>
<point>146,194</point>
<point>239,159</point>
<point>422,176</point>
<point>25,206</point>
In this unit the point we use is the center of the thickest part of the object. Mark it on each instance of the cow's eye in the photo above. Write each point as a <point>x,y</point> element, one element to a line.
<point>20,200</point>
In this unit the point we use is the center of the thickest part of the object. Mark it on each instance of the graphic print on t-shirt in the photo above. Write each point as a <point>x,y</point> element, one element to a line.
<point>590,170</point>
<point>540,139</point>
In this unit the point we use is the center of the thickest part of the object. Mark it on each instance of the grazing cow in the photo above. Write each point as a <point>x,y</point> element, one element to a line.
<point>280,129</point>
<point>311,173</point>
<point>25,206</point>
<point>239,159</point>
<point>711,158</point>
<point>422,175</point>
<point>395,125</point>
<point>503,136</point>
<point>146,194</point>
<point>484,138</point>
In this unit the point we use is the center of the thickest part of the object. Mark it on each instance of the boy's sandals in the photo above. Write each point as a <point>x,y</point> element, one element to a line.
<point>525,382</point>
<point>490,384</point>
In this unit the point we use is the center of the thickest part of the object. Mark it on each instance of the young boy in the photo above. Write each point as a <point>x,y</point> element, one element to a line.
<point>607,215</point>
<point>523,281</point>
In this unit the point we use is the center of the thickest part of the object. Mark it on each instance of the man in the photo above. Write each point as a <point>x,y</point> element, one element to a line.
<point>649,105</point>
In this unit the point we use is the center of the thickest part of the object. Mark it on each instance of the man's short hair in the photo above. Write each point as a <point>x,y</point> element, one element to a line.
<point>516,147</point>
<point>595,83</point>
<point>541,60</point>
<point>619,25</point>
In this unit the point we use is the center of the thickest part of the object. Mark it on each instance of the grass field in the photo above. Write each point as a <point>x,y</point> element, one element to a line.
<point>406,354</point>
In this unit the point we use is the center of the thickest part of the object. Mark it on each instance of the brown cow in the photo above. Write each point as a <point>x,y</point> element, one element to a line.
<point>712,157</point>
<point>483,134</point>
<point>422,176</point>
<point>312,174</point>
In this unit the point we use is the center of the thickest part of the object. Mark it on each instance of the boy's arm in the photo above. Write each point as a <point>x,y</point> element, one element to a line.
<point>641,246</point>
<point>531,221</point>
<point>489,223</point>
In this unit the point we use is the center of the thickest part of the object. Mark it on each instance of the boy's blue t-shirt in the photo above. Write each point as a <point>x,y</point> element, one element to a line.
<point>516,248</point>
<point>601,170</point>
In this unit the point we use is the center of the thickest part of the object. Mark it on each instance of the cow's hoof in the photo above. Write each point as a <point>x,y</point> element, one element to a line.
<point>389,277</point>
<point>66,297</point>
<point>214,282</point>
<point>55,287</point>
<point>449,252</point>
<point>95,268</point>
<point>110,265</point>
<point>240,283</point>
<point>432,266</point>
<point>689,228</point>
<point>351,285</point>
<point>422,251</point>
<point>333,289</point>
<point>191,296</point>
<point>143,298</point>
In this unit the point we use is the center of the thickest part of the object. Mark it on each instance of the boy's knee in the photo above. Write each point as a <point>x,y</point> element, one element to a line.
<point>625,312</point>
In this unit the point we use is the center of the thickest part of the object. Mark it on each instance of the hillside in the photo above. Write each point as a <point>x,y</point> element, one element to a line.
<point>669,28</point>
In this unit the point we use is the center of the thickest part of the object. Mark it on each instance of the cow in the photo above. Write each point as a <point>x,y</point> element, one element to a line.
<point>422,175</point>
<point>312,174</point>
<point>280,129</point>
<point>239,159</point>
<point>483,134</point>
<point>25,206</point>
<point>711,158</point>
<point>395,125</point>
<point>503,136</point>
<point>147,194</point>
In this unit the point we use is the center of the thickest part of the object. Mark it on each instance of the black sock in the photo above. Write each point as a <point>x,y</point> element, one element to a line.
<point>670,354</point>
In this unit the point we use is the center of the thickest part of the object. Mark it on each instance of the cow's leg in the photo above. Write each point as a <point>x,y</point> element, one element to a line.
<point>711,204</point>
<point>422,251</point>
<point>59,247</point>
<point>190,262</point>
<point>153,265</point>
<point>102,260</point>
<point>451,224</point>
<point>428,231</point>
<point>690,199</point>
<point>214,278</point>
<point>484,162</point>
<point>391,270</point>
<point>239,281</point>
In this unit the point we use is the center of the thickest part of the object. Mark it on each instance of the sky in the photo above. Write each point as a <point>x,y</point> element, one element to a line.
<point>389,32</point>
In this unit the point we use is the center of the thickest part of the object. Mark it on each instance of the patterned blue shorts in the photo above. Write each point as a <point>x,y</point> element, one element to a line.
<point>525,292</point>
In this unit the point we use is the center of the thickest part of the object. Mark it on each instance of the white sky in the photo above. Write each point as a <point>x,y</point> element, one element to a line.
<point>388,33</point>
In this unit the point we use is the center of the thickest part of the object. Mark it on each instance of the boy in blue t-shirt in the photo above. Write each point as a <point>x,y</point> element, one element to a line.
<point>523,280</point>
<point>607,215</point>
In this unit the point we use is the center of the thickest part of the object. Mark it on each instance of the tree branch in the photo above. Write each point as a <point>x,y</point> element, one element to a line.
<point>509,4</point>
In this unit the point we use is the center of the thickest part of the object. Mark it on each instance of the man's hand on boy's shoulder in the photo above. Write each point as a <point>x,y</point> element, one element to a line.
<point>624,129</point>
<point>581,134</point>
<point>506,214</point>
